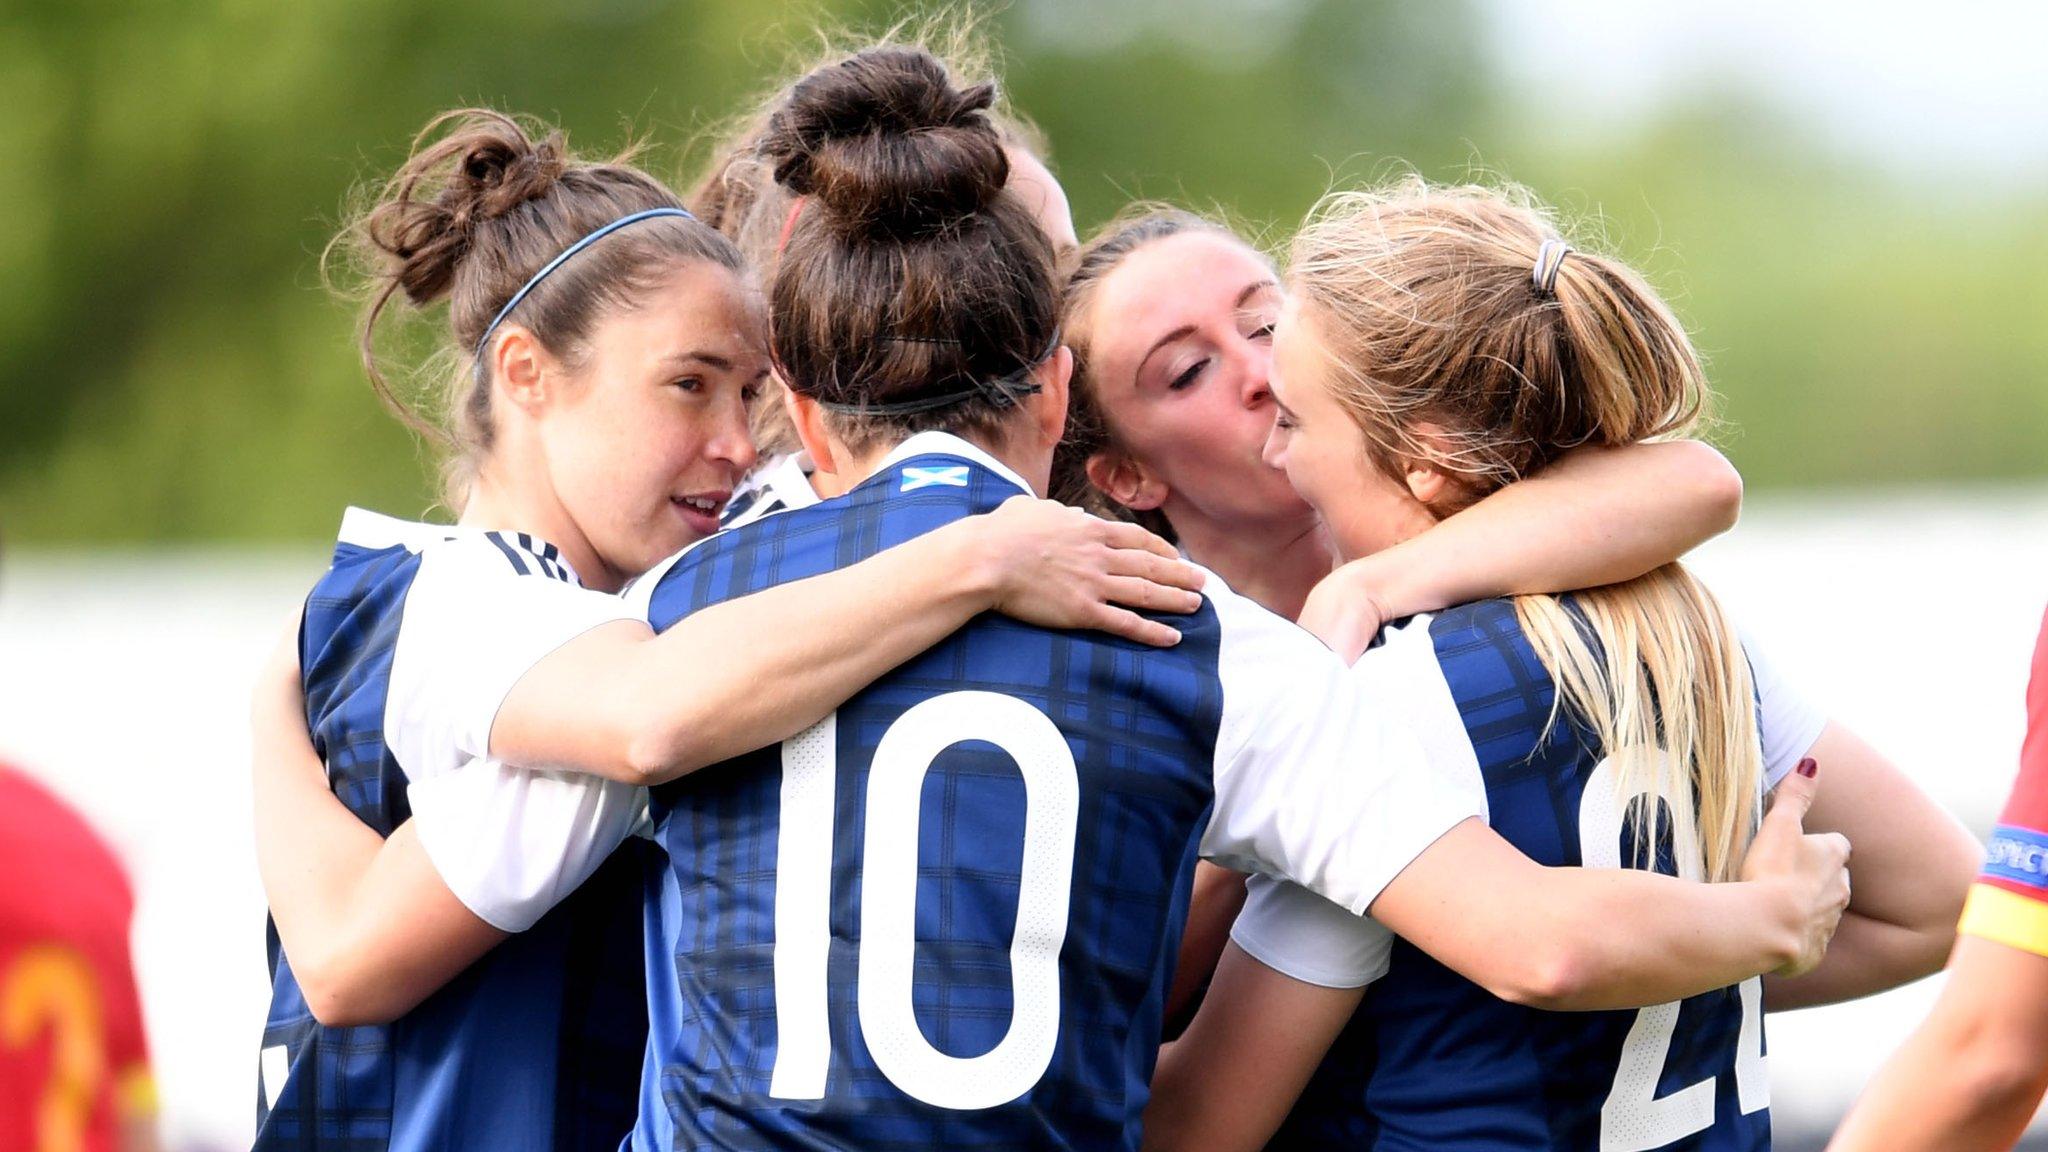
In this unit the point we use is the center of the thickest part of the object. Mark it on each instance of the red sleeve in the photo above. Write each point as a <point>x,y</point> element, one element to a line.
<point>2009,902</point>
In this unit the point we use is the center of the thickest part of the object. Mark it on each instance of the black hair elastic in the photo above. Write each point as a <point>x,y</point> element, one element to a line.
<point>1002,391</point>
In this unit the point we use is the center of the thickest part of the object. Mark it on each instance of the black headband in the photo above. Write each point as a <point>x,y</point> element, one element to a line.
<point>1002,391</point>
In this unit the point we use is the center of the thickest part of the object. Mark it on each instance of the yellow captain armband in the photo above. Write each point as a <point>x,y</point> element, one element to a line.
<point>1992,913</point>
<point>135,1093</point>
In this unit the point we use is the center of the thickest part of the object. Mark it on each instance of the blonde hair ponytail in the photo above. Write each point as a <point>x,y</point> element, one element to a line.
<point>1670,698</point>
<point>1430,312</point>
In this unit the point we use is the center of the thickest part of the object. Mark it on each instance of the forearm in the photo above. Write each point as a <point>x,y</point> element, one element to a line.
<point>1597,516</point>
<point>756,670</point>
<point>1585,938</point>
<point>1867,956</point>
<point>1950,1085</point>
<point>1912,869</point>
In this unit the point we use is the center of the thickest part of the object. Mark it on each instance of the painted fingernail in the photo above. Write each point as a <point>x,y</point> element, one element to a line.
<point>1808,768</point>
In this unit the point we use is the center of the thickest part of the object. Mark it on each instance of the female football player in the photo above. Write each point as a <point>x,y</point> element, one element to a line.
<point>945,915</point>
<point>609,343</point>
<point>1170,317</point>
<point>740,197</point>
<point>1435,345</point>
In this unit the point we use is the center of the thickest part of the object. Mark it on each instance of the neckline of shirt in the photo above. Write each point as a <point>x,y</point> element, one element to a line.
<point>366,528</point>
<point>947,444</point>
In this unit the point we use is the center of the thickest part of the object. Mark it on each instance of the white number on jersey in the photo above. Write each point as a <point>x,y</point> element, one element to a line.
<point>1634,1118</point>
<point>888,887</point>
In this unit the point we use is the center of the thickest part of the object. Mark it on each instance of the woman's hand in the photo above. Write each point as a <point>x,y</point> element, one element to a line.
<point>1812,869</point>
<point>1059,567</point>
<point>1345,611</point>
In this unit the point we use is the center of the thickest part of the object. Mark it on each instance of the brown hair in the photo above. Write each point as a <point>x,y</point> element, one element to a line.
<point>909,274</point>
<point>1088,431</point>
<point>483,203</point>
<point>1426,305</point>
<point>740,197</point>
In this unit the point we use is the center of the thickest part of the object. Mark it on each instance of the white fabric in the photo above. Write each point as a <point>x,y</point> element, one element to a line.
<point>781,484</point>
<point>1301,935</point>
<point>508,842</point>
<point>947,444</point>
<point>1334,778</point>
<point>1787,720</point>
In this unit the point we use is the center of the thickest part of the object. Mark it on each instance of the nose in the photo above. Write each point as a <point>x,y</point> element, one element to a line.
<point>1275,451</point>
<point>1258,369</point>
<point>734,442</point>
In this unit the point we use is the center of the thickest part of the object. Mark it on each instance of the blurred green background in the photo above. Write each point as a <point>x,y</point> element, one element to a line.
<point>171,368</point>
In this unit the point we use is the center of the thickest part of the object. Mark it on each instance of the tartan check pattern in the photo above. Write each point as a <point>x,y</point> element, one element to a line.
<point>534,1046</point>
<point>1432,1060</point>
<point>1141,724</point>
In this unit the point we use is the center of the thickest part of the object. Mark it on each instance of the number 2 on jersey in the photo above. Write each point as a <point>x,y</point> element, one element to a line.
<point>1634,1118</point>
<point>888,913</point>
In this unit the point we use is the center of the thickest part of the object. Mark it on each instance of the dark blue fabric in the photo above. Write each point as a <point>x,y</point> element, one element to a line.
<point>1432,1060</point>
<point>1141,724</point>
<point>535,1046</point>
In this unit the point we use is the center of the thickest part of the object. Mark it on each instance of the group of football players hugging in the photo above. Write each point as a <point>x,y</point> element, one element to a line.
<point>1339,758</point>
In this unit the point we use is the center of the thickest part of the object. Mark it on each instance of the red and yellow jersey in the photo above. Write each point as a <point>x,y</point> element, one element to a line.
<point>2009,902</point>
<point>73,1065</point>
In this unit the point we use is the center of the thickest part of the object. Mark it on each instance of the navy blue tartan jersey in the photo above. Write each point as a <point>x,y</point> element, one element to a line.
<point>535,1046</point>
<point>946,916</point>
<point>1432,1060</point>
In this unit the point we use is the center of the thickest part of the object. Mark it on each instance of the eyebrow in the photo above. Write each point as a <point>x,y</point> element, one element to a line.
<point>711,360</point>
<point>1253,288</point>
<point>1250,290</point>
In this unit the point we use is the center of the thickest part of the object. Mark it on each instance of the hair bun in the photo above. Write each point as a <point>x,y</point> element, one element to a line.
<point>467,166</point>
<point>888,144</point>
<point>502,167</point>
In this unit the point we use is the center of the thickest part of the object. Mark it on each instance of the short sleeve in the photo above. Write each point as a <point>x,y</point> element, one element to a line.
<point>508,842</point>
<point>1334,778</point>
<point>473,624</point>
<point>1301,935</point>
<point>511,843</point>
<point>1787,720</point>
<point>2009,902</point>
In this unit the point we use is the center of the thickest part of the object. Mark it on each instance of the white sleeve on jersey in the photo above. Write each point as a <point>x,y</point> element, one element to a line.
<point>508,842</point>
<point>1297,933</point>
<point>1788,721</point>
<point>511,843</point>
<point>1333,777</point>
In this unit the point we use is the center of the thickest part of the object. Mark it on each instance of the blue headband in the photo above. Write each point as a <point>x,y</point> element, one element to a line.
<point>557,262</point>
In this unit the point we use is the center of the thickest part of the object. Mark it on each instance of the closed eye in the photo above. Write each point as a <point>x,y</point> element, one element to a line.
<point>1188,377</point>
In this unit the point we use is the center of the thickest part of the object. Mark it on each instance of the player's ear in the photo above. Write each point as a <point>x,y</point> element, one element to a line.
<point>1124,480</point>
<point>1049,406</point>
<point>809,418</point>
<point>520,367</point>
<point>1428,481</point>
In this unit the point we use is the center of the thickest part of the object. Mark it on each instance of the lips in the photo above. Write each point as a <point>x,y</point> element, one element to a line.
<point>700,509</point>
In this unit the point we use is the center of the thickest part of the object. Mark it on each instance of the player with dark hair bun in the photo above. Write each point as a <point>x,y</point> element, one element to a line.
<point>945,915</point>
<point>456,954</point>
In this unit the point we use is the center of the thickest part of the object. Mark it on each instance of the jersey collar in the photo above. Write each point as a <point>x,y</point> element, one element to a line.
<point>947,444</point>
<point>374,531</point>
